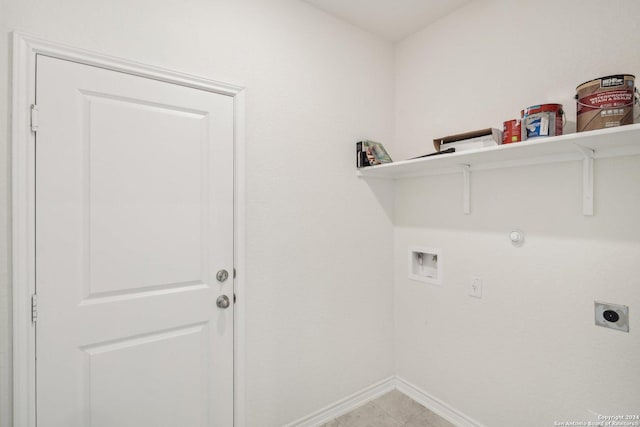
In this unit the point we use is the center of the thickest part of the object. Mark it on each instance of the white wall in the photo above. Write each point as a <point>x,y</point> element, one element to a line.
<point>528,352</point>
<point>487,61</point>
<point>319,318</point>
<point>319,321</point>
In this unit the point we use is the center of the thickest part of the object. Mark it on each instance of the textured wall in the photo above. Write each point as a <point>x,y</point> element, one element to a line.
<point>316,314</point>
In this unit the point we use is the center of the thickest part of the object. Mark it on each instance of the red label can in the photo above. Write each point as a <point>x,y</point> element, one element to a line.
<point>511,131</point>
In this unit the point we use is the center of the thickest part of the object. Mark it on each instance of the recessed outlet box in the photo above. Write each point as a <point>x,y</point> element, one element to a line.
<point>425,265</point>
<point>612,316</point>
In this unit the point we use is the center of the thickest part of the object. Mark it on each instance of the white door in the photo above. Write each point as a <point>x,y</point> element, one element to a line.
<point>134,218</point>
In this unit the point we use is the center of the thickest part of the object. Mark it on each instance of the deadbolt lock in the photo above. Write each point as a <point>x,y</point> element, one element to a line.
<point>222,275</point>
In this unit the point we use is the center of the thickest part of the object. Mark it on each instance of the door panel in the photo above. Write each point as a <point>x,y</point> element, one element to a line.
<point>134,216</point>
<point>129,207</point>
<point>114,368</point>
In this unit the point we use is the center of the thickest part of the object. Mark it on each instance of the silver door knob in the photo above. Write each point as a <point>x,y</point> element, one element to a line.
<point>223,301</point>
<point>222,275</point>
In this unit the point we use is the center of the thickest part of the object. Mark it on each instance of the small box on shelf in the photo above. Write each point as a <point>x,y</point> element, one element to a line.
<point>489,137</point>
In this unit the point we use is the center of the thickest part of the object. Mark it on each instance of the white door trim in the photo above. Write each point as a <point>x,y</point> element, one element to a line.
<point>25,49</point>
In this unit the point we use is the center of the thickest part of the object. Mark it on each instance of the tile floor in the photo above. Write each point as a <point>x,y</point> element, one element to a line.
<point>393,409</point>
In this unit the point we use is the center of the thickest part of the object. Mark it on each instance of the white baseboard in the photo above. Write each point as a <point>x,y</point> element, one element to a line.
<point>435,405</point>
<point>345,405</point>
<point>376,390</point>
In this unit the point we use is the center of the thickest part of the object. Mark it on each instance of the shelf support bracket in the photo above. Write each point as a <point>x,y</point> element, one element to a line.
<point>466,190</point>
<point>587,180</point>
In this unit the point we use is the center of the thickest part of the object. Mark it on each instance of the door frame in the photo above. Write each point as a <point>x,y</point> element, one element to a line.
<point>25,49</point>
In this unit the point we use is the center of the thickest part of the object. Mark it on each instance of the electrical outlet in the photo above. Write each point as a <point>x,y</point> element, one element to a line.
<point>612,316</point>
<point>475,287</point>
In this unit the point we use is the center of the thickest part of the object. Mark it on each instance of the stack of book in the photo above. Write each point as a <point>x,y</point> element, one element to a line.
<point>469,140</point>
<point>370,153</point>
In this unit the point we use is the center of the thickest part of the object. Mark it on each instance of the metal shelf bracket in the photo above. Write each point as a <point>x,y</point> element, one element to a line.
<point>587,179</point>
<point>466,190</point>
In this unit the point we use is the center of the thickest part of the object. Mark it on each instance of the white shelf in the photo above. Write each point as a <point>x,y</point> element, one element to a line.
<point>612,142</point>
<point>584,146</point>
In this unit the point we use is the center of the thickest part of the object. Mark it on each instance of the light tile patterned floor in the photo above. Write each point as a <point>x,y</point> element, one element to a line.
<point>394,409</point>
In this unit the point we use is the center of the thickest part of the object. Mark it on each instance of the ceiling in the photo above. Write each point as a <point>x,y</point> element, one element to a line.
<point>391,19</point>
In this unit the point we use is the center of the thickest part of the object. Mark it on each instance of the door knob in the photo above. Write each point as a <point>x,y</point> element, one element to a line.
<point>222,275</point>
<point>223,301</point>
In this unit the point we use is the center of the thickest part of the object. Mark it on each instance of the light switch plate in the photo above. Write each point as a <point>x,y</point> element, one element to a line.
<point>475,287</point>
<point>612,316</point>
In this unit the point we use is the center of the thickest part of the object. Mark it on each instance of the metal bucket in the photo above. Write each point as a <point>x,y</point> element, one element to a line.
<point>605,102</point>
<point>542,120</point>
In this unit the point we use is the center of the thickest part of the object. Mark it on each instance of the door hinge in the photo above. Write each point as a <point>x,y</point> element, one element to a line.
<point>35,119</point>
<point>34,308</point>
